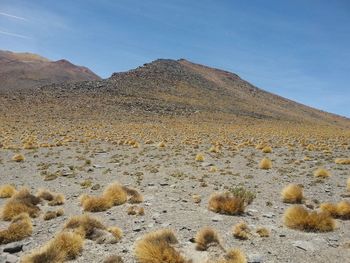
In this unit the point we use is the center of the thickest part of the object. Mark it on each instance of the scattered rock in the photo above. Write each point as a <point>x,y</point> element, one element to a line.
<point>13,248</point>
<point>304,245</point>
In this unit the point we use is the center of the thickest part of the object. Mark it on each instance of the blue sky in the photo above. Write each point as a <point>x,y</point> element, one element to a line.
<point>298,49</point>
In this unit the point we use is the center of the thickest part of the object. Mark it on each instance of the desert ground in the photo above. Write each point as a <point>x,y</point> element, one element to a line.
<point>176,169</point>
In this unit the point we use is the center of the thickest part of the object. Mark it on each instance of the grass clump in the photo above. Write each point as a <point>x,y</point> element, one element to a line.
<point>263,232</point>
<point>298,217</point>
<point>7,191</point>
<point>265,164</point>
<point>113,195</point>
<point>113,259</point>
<point>205,237</point>
<point>321,173</point>
<point>344,161</point>
<point>241,231</point>
<point>267,149</point>
<point>18,158</point>
<point>339,210</point>
<point>21,202</point>
<point>49,215</point>
<point>65,246</point>
<point>158,247</point>
<point>199,157</point>
<point>233,256</point>
<point>20,228</point>
<point>243,193</point>
<point>292,194</point>
<point>226,203</point>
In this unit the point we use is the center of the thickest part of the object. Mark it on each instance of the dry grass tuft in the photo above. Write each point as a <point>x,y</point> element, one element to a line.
<point>21,202</point>
<point>18,158</point>
<point>226,203</point>
<point>241,231</point>
<point>267,149</point>
<point>20,228</point>
<point>322,173</point>
<point>65,246</point>
<point>45,194</point>
<point>53,198</point>
<point>339,210</point>
<point>205,237</point>
<point>199,157</point>
<point>161,144</point>
<point>7,191</point>
<point>157,247</point>
<point>116,232</point>
<point>95,203</point>
<point>292,194</point>
<point>135,210</point>
<point>136,197</point>
<point>263,232</point>
<point>113,195</point>
<point>53,214</point>
<point>113,259</point>
<point>297,217</point>
<point>84,225</point>
<point>342,161</point>
<point>196,198</point>
<point>57,200</point>
<point>265,164</point>
<point>234,256</point>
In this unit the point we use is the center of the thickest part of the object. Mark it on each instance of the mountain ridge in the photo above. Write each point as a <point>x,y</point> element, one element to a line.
<point>25,70</point>
<point>180,86</point>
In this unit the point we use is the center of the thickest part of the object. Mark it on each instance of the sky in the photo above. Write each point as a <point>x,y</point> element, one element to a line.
<point>299,49</point>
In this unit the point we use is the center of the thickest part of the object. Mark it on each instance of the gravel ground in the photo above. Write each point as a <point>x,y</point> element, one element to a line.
<point>168,177</point>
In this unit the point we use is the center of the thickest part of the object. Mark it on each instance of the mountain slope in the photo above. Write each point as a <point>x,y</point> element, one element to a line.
<point>179,87</point>
<point>26,70</point>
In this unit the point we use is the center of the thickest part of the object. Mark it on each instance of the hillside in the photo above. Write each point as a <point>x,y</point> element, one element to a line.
<point>170,87</point>
<point>20,71</point>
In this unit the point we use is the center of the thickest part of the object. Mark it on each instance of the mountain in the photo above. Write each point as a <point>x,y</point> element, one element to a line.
<point>182,88</point>
<point>26,70</point>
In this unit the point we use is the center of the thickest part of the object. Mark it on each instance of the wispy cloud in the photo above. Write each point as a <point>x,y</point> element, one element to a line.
<point>14,35</point>
<point>13,16</point>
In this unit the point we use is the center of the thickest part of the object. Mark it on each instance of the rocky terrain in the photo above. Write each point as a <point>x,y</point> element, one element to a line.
<point>176,132</point>
<point>20,71</point>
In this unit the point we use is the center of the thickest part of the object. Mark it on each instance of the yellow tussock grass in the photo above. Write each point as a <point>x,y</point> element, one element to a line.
<point>226,203</point>
<point>298,217</point>
<point>292,194</point>
<point>7,191</point>
<point>205,237</point>
<point>20,228</point>
<point>265,164</point>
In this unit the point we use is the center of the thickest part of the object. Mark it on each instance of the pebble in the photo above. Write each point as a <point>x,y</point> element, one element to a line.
<point>255,259</point>
<point>304,245</point>
<point>268,215</point>
<point>11,258</point>
<point>13,248</point>
<point>217,218</point>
